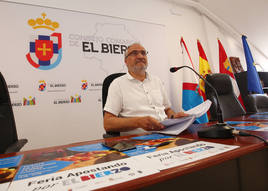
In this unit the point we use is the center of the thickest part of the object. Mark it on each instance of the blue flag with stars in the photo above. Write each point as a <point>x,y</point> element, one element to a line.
<point>254,84</point>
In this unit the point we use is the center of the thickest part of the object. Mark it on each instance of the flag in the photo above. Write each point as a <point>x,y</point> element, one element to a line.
<point>204,68</point>
<point>225,67</point>
<point>191,93</point>
<point>254,84</point>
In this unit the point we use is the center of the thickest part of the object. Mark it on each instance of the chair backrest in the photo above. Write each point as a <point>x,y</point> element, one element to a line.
<point>106,84</point>
<point>264,78</point>
<point>242,82</point>
<point>8,132</point>
<point>105,88</point>
<point>253,102</point>
<point>228,101</point>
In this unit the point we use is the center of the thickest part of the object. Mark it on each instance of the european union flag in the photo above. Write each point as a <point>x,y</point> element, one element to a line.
<point>254,84</point>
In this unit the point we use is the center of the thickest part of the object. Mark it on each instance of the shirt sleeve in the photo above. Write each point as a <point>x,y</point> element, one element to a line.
<point>114,99</point>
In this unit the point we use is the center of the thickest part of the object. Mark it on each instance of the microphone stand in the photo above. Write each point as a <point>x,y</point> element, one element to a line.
<point>220,129</point>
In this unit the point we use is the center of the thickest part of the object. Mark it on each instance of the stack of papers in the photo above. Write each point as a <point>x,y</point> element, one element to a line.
<point>176,126</point>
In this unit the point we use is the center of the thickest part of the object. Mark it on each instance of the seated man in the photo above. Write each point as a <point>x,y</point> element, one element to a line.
<point>137,101</point>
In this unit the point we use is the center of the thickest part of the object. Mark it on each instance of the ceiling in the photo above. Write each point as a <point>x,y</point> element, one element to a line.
<point>246,17</point>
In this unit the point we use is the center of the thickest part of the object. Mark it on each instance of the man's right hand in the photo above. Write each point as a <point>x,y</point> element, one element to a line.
<point>149,124</point>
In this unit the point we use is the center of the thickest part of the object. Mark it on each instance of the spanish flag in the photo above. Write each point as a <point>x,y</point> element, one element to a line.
<point>204,68</point>
<point>226,68</point>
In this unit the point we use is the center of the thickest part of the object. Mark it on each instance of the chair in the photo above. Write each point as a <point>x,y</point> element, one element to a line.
<point>105,87</point>
<point>264,79</point>
<point>8,134</point>
<point>253,102</point>
<point>228,101</point>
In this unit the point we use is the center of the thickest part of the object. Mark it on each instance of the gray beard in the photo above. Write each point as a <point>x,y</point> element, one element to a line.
<point>139,69</point>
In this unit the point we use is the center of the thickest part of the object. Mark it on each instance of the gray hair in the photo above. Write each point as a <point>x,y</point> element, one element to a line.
<point>126,52</point>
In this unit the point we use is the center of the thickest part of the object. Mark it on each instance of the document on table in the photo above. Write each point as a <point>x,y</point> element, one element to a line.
<point>199,110</point>
<point>176,126</point>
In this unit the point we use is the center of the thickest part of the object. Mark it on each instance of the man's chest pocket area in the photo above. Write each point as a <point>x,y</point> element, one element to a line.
<point>134,99</point>
<point>157,98</point>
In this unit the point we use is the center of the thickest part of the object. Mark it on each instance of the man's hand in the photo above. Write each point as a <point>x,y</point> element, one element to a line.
<point>180,114</point>
<point>149,124</point>
<point>171,114</point>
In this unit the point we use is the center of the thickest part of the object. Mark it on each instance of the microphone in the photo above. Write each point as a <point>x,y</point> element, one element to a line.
<point>220,129</point>
<point>174,69</point>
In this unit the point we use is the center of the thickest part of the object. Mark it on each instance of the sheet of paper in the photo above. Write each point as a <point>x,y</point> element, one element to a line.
<point>4,186</point>
<point>200,110</point>
<point>177,128</point>
<point>181,120</point>
<point>184,154</point>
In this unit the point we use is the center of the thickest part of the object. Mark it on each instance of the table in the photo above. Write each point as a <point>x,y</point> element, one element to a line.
<point>242,169</point>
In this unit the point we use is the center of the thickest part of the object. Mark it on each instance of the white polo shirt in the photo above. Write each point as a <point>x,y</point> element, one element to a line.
<point>128,97</point>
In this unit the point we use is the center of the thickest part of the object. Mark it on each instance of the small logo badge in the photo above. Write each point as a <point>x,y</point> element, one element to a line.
<point>42,85</point>
<point>76,99</point>
<point>30,101</point>
<point>84,85</point>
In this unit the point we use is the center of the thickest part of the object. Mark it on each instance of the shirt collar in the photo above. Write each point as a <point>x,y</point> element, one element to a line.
<point>148,76</point>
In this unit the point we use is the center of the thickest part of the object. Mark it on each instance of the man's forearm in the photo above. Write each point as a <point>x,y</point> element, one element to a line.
<point>117,124</point>
<point>113,123</point>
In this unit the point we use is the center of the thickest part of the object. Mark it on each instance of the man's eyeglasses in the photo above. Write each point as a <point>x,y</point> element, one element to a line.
<point>136,52</point>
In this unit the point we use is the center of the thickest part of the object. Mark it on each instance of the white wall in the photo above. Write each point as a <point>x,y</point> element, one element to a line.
<point>179,20</point>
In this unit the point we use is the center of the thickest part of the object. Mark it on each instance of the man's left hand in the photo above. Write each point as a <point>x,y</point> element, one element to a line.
<point>180,114</point>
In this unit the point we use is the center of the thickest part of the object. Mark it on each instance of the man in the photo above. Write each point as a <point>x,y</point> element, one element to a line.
<point>137,101</point>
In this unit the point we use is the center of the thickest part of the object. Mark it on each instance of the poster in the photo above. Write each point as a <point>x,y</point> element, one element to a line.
<point>8,169</point>
<point>93,166</point>
<point>259,116</point>
<point>49,162</point>
<point>249,125</point>
<point>86,178</point>
<point>180,155</point>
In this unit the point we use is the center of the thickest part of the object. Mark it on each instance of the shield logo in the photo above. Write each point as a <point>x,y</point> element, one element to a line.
<point>45,51</point>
